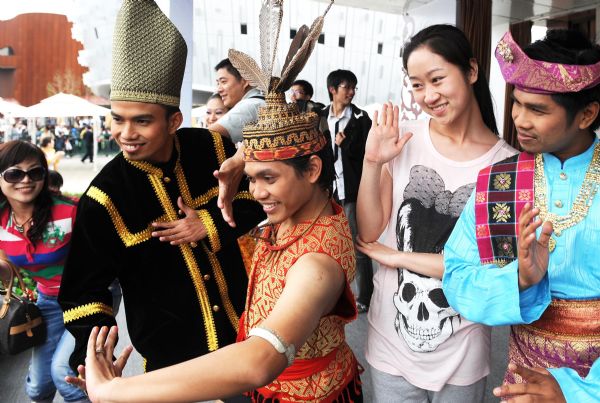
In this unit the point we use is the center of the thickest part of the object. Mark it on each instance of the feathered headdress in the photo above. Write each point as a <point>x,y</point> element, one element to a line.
<point>281,132</point>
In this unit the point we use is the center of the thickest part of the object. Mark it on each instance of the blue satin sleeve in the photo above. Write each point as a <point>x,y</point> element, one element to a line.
<point>577,389</point>
<point>487,294</point>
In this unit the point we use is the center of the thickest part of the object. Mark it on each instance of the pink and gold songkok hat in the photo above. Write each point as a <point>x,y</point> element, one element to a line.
<point>542,77</point>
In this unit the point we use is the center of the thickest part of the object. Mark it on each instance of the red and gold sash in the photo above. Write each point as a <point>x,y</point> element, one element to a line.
<point>566,335</point>
<point>502,191</point>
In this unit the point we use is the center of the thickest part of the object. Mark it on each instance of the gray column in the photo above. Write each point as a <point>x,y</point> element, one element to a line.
<point>181,12</point>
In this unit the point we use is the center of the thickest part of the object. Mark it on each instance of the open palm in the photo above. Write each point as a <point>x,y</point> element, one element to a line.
<point>384,141</point>
<point>533,252</point>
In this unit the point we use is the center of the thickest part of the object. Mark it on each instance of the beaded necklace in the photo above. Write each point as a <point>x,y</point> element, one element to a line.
<point>582,203</point>
<point>20,227</point>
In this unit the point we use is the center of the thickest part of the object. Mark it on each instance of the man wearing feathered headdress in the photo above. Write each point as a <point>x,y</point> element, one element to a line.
<point>532,261</point>
<point>291,345</point>
<point>150,217</point>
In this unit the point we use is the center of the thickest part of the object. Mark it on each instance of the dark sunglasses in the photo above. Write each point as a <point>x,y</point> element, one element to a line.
<point>16,175</point>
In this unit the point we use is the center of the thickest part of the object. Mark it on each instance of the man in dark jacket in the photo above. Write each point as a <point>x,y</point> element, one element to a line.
<point>346,128</point>
<point>87,135</point>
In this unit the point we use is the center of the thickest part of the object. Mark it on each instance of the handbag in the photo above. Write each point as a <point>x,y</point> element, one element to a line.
<point>21,323</point>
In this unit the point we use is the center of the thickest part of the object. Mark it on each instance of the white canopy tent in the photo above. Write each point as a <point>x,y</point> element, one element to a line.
<point>67,105</point>
<point>11,108</point>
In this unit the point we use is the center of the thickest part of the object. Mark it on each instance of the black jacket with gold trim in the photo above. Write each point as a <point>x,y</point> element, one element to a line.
<point>181,301</point>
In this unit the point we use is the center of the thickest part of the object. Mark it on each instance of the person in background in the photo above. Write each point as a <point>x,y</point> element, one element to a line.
<point>35,235</point>
<point>87,137</point>
<point>412,191</point>
<point>52,156</point>
<point>346,127</point>
<point>301,92</point>
<point>215,109</point>
<point>240,97</point>
<point>55,182</point>
<point>525,249</point>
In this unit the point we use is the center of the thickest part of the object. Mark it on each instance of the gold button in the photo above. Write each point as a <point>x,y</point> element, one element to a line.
<point>563,176</point>
<point>558,203</point>
<point>206,277</point>
<point>193,244</point>
<point>167,179</point>
<point>216,308</point>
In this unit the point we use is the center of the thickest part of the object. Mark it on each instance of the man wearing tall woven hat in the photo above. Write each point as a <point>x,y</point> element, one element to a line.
<point>150,217</point>
<point>532,261</point>
<point>291,342</point>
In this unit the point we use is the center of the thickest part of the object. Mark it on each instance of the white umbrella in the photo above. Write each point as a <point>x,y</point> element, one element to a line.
<point>67,105</point>
<point>11,108</point>
<point>64,105</point>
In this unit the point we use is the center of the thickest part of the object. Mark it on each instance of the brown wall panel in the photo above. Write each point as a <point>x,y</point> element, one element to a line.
<point>43,47</point>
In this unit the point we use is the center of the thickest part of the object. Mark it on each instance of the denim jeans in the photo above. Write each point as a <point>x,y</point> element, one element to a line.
<point>50,361</point>
<point>364,266</point>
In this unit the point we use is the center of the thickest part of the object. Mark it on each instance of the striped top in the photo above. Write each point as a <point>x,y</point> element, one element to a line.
<point>45,259</point>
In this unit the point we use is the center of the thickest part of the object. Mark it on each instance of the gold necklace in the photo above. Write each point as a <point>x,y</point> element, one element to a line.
<point>582,203</point>
<point>20,227</point>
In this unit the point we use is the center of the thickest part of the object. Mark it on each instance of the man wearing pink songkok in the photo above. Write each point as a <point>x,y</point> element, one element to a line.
<point>525,250</point>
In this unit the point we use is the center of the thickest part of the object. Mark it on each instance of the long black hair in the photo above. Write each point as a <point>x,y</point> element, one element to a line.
<point>451,43</point>
<point>569,47</point>
<point>13,153</point>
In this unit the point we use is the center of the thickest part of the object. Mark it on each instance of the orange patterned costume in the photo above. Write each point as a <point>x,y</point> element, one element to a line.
<point>325,369</point>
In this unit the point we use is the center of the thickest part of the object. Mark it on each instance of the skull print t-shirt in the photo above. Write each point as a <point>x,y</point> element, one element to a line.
<point>413,332</point>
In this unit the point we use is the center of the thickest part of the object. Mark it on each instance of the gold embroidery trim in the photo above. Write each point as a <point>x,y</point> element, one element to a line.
<point>582,202</point>
<point>128,238</point>
<point>188,255</point>
<point>211,230</point>
<point>86,310</point>
<point>219,149</point>
<point>223,289</point>
<point>185,190</point>
<point>244,195</point>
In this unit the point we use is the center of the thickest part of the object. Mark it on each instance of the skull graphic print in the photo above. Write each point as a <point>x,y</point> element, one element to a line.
<point>425,220</point>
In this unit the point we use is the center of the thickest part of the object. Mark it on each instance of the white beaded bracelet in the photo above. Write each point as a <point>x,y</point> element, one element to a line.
<point>289,350</point>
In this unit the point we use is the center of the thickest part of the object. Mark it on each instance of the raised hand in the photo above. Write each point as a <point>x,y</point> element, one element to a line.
<point>100,368</point>
<point>384,141</point>
<point>229,175</point>
<point>533,253</point>
<point>540,387</point>
<point>187,230</point>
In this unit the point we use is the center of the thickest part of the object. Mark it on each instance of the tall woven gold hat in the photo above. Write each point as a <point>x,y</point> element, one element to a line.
<point>148,55</point>
<point>281,131</point>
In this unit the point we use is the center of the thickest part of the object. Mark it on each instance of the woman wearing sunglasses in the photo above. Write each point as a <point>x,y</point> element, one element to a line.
<point>35,232</point>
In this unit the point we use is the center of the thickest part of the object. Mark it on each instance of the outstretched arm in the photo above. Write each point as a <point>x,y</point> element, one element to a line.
<point>428,264</point>
<point>314,285</point>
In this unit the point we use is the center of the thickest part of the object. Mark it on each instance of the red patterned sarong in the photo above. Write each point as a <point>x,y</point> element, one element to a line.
<point>566,335</point>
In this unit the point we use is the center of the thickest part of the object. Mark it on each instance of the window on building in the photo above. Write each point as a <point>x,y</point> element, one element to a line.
<point>293,33</point>
<point>321,39</point>
<point>6,51</point>
<point>244,29</point>
<point>380,48</point>
<point>342,42</point>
